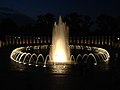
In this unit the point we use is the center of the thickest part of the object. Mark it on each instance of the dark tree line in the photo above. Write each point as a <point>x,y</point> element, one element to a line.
<point>78,25</point>
<point>108,24</point>
<point>44,24</point>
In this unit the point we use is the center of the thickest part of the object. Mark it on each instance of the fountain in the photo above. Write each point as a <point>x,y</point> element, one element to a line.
<point>60,51</point>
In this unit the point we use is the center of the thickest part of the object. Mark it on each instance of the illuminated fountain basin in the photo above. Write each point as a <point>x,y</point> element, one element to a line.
<point>32,55</point>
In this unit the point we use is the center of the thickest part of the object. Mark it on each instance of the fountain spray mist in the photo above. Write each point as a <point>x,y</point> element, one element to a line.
<point>60,51</point>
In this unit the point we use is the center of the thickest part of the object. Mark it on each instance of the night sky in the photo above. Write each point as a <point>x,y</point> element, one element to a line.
<point>93,8</point>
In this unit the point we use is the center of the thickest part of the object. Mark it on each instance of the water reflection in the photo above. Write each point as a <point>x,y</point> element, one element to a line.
<point>61,68</point>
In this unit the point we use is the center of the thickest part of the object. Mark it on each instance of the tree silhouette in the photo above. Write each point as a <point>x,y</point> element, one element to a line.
<point>87,23</point>
<point>8,26</point>
<point>26,29</point>
<point>116,29</point>
<point>106,24</point>
<point>78,24</point>
<point>74,21</point>
<point>45,23</point>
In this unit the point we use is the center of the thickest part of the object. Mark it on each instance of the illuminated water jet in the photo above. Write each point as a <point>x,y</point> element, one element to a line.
<point>60,51</point>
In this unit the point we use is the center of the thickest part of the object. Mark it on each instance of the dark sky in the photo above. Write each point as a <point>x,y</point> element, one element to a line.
<point>61,7</point>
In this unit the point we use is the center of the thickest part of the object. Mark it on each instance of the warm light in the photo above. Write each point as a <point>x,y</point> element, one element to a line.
<point>118,38</point>
<point>36,65</point>
<point>19,62</point>
<point>60,52</point>
<point>24,63</point>
<point>29,64</point>
<point>59,56</point>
